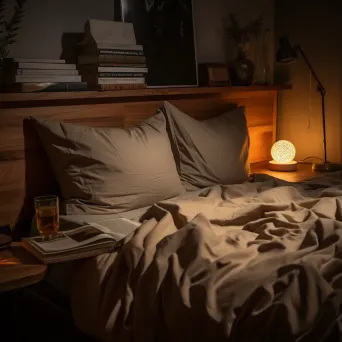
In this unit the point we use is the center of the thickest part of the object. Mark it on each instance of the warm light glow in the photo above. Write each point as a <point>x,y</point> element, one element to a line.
<point>283,151</point>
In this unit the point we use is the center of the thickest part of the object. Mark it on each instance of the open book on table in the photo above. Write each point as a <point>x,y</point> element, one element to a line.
<point>82,242</point>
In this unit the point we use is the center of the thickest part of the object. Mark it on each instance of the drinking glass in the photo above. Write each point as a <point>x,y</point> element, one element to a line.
<point>47,213</point>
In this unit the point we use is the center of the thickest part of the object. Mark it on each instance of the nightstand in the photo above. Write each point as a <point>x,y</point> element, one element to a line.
<point>18,268</point>
<point>303,172</point>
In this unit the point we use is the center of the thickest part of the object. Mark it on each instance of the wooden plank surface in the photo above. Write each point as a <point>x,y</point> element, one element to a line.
<point>148,92</point>
<point>303,172</point>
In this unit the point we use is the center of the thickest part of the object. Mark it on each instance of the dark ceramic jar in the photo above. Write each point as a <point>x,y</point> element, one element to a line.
<point>241,70</point>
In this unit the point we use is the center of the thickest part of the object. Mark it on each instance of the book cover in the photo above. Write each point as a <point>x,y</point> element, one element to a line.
<point>109,32</point>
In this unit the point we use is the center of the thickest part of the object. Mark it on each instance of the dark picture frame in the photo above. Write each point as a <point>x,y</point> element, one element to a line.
<point>166,30</point>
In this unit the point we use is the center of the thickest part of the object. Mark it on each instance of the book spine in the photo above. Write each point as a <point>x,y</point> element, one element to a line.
<point>120,52</point>
<point>34,60</point>
<point>94,69</point>
<point>104,46</point>
<point>52,66</point>
<point>45,87</point>
<point>46,78</point>
<point>103,59</point>
<point>120,74</point>
<point>122,69</point>
<point>128,80</point>
<point>60,72</point>
<point>112,87</point>
<point>94,48</point>
<point>121,59</point>
<point>121,65</point>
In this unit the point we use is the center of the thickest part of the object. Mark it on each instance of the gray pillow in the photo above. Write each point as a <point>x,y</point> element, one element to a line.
<point>110,170</point>
<point>209,152</point>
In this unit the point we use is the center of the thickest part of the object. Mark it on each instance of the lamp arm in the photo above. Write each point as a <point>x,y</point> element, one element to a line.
<point>322,91</point>
<point>321,88</point>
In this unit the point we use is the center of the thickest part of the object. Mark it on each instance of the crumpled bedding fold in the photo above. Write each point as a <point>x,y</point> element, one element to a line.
<point>250,262</point>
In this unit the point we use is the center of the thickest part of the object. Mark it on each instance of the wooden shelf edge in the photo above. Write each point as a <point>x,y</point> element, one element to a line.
<point>148,92</point>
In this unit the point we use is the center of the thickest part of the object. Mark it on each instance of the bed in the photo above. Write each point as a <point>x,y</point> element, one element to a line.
<point>231,260</point>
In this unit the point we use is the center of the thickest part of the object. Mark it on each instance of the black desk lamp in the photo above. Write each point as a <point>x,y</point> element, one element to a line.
<point>287,54</point>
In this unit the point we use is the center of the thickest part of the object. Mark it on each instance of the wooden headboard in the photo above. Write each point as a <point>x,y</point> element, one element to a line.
<point>24,168</point>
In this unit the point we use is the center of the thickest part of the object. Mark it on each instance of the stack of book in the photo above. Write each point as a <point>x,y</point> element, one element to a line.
<point>32,75</point>
<point>113,67</point>
<point>109,57</point>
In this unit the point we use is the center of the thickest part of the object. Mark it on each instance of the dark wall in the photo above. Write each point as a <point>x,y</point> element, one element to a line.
<point>45,22</point>
<point>316,26</point>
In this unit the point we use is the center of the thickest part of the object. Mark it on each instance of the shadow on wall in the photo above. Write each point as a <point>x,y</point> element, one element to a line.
<point>39,179</point>
<point>69,46</point>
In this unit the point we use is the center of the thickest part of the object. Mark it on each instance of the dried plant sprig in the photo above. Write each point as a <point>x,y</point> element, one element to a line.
<point>242,34</point>
<point>9,30</point>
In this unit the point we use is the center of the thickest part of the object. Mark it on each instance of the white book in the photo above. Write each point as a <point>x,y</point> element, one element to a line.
<point>46,78</point>
<point>109,32</point>
<point>37,60</point>
<point>117,80</point>
<point>107,46</point>
<point>119,69</point>
<point>47,72</point>
<point>54,66</point>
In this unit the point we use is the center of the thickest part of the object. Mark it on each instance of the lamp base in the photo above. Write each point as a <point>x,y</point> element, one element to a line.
<point>282,167</point>
<point>326,167</point>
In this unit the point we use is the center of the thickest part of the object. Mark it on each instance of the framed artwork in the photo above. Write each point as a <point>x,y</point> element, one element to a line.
<point>165,28</point>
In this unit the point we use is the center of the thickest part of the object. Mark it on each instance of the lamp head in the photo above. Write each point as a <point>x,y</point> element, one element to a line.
<point>283,153</point>
<point>286,52</point>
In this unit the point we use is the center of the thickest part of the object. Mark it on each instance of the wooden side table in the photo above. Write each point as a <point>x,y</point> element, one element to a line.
<point>303,172</point>
<point>31,312</point>
<point>18,268</point>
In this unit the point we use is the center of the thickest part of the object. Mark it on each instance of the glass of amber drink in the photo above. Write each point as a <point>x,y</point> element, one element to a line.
<point>47,213</point>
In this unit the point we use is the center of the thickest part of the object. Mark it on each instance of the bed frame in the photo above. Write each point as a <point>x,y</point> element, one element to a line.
<point>24,168</point>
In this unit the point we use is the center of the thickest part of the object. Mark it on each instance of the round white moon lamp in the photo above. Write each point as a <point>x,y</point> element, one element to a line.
<point>283,153</point>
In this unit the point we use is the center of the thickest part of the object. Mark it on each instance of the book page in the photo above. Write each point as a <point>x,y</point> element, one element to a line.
<point>117,228</point>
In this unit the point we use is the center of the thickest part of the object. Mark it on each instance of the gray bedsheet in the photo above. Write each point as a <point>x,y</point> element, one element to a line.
<point>60,275</point>
<point>250,262</point>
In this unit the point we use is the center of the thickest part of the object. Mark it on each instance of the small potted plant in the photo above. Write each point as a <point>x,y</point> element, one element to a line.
<point>242,69</point>
<point>9,29</point>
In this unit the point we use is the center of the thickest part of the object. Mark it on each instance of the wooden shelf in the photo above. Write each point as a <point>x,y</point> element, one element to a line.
<point>126,94</point>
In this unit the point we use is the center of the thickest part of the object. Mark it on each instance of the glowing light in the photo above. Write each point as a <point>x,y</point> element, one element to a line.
<point>283,151</point>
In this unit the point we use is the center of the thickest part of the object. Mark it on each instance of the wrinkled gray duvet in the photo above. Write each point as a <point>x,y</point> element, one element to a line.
<point>251,262</point>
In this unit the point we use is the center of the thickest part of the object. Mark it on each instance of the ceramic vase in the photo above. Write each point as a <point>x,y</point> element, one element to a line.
<point>241,69</point>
